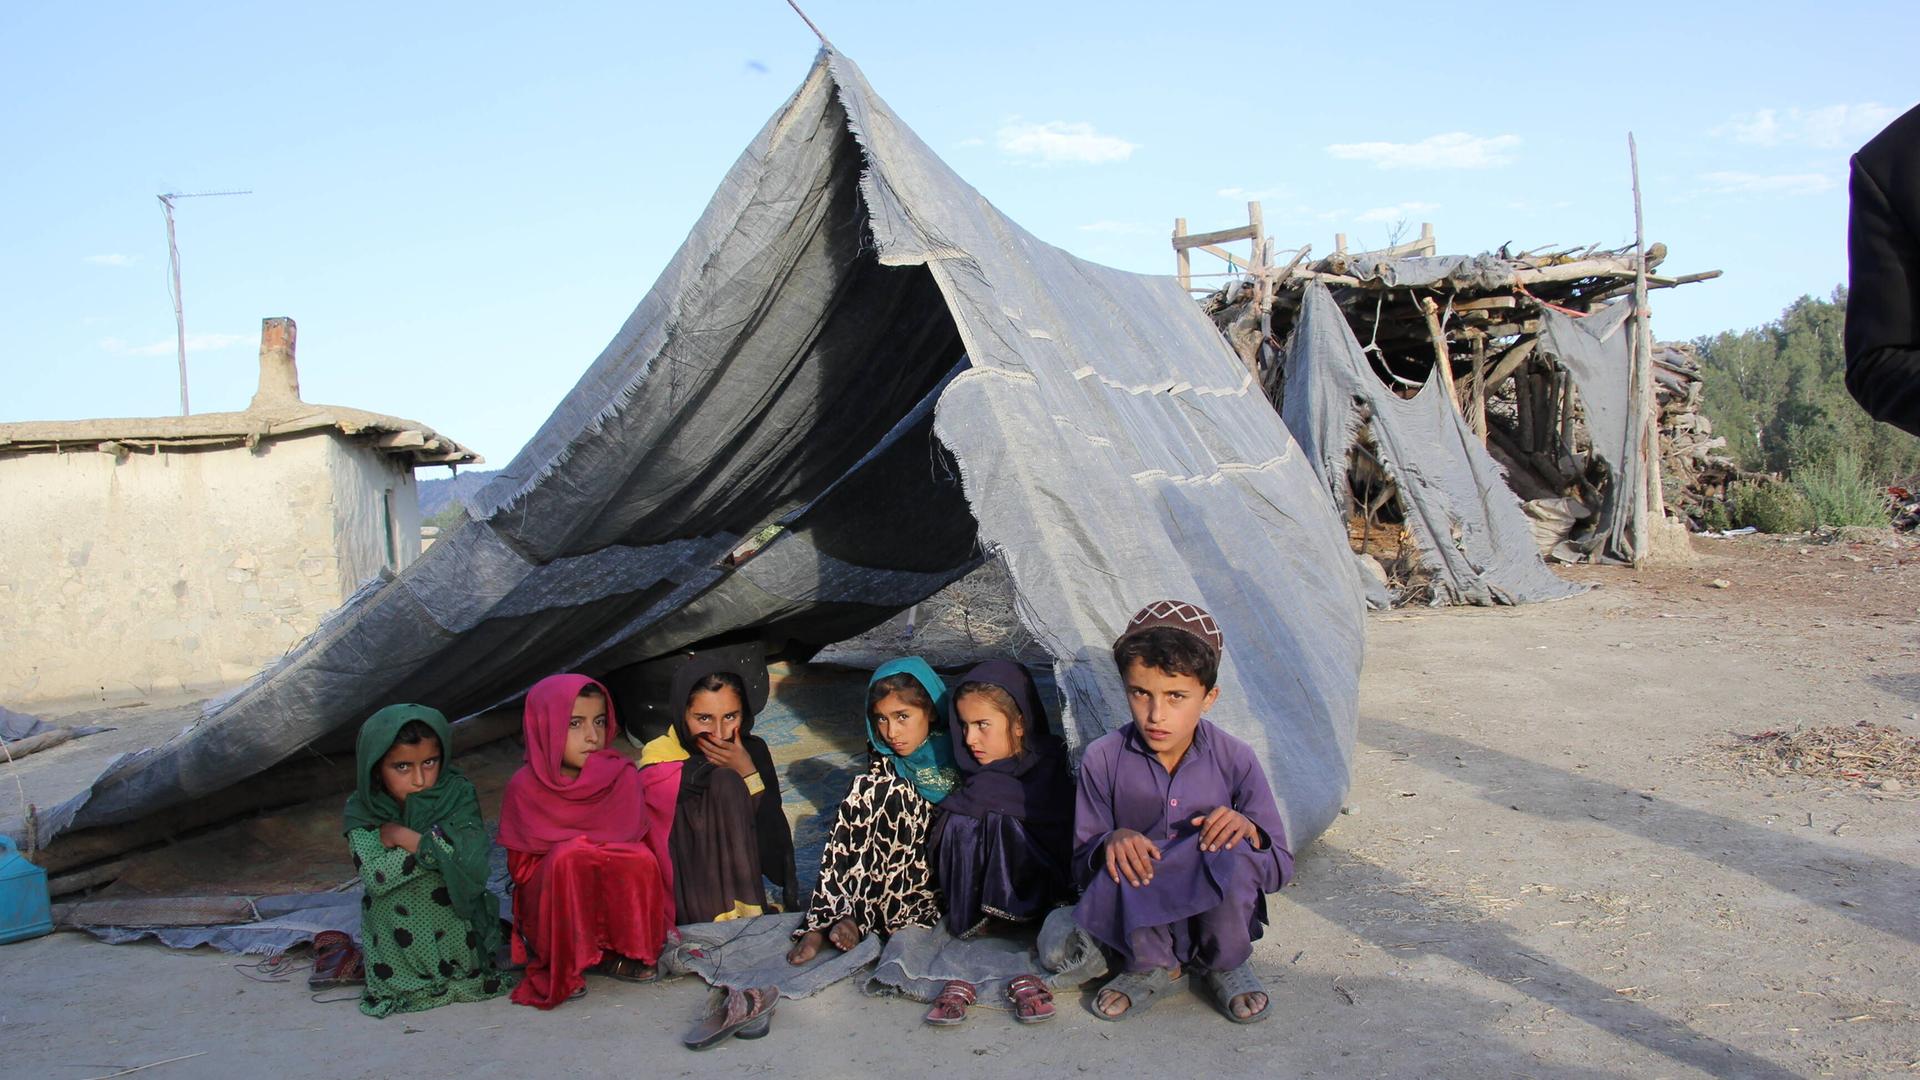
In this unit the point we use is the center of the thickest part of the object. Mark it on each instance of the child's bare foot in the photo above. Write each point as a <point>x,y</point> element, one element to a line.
<point>844,934</point>
<point>1247,1005</point>
<point>806,948</point>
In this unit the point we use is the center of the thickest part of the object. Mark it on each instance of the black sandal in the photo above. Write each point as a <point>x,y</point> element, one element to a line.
<point>626,969</point>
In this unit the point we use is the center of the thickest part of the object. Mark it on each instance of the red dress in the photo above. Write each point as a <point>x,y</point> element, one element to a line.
<point>590,873</point>
<point>577,902</point>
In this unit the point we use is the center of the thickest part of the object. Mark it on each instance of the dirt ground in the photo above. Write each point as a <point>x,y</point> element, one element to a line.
<point>1550,869</point>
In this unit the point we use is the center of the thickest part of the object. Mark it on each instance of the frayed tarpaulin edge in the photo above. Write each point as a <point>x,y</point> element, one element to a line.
<point>756,154</point>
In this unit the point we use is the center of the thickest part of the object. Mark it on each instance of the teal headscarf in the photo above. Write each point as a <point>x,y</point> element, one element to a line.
<point>451,803</point>
<point>930,768</point>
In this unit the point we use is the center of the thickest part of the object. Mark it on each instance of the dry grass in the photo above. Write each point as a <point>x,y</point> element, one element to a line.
<point>1865,753</point>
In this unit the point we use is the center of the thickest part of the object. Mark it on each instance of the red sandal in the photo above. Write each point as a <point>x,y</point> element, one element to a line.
<point>1032,1001</point>
<point>951,1006</point>
<point>336,962</point>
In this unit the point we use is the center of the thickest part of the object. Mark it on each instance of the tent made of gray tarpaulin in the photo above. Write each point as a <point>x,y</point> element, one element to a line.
<point>852,345</point>
<point>1597,351</point>
<point>1471,536</point>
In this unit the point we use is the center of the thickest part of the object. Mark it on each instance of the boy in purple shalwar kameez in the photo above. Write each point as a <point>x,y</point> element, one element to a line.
<point>1177,838</point>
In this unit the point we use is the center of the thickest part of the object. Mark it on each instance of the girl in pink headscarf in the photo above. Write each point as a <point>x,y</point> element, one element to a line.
<point>589,893</point>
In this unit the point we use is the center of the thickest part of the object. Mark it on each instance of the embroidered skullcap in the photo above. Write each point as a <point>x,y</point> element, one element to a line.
<point>1181,615</point>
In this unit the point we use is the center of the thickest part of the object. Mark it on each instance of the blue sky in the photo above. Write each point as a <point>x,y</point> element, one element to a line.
<point>460,204</point>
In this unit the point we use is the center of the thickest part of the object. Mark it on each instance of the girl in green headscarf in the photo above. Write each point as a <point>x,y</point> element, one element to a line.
<point>874,875</point>
<point>428,925</point>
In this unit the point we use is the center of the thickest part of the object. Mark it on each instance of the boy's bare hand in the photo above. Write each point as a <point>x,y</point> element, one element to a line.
<point>1225,827</point>
<point>727,755</point>
<point>1131,855</point>
<point>394,834</point>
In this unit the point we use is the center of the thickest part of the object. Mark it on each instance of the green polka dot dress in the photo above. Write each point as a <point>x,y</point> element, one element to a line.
<point>419,953</point>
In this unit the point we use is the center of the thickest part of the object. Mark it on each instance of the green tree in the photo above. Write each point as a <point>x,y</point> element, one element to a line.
<point>1778,393</point>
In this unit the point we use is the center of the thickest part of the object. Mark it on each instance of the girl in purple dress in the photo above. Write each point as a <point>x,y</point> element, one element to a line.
<point>1002,838</point>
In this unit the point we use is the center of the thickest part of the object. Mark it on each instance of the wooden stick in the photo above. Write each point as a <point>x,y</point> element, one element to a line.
<point>1480,389</point>
<point>148,1065</point>
<point>1643,375</point>
<point>1442,363</point>
<point>86,879</point>
<point>1510,361</point>
<point>46,740</point>
<point>1183,262</point>
<point>1183,239</point>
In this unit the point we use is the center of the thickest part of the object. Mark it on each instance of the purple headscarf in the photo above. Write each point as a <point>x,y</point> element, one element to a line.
<point>1032,785</point>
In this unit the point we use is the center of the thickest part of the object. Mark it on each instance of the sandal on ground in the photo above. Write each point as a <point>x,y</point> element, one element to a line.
<point>336,962</point>
<point>626,969</point>
<point>1227,985</point>
<point>759,1029</point>
<point>1141,989</point>
<point>732,1012</point>
<point>1032,1001</point>
<point>951,1006</point>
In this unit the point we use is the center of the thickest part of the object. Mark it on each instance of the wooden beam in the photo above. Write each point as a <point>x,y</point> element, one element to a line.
<point>1510,362</point>
<point>1231,258</point>
<point>1480,389</point>
<point>1442,362</point>
<point>401,440</point>
<point>1651,500</point>
<point>1182,262</point>
<point>1218,236</point>
<point>148,911</point>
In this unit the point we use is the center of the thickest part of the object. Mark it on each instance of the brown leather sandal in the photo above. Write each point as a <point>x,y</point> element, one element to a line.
<point>950,1007</point>
<point>1032,1001</point>
<point>730,1012</point>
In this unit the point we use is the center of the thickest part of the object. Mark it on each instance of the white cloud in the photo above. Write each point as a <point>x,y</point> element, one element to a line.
<point>1397,212</point>
<point>973,140</point>
<point>1746,183</point>
<point>1828,127</point>
<point>111,260</point>
<point>1119,228</point>
<point>195,343</point>
<point>1251,194</point>
<point>1057,142</point>
<point>1452,150</point>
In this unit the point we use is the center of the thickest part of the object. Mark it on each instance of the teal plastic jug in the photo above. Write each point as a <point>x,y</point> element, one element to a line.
<point>24,908</point>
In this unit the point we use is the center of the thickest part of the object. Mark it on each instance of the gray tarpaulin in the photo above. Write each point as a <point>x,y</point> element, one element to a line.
<point>1459,271</point>
<point>1466,522</point>
<point>854,345</point>
<point>1596,351</point>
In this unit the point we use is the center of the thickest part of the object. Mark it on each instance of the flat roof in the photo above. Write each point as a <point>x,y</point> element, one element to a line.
<point>388,434</point>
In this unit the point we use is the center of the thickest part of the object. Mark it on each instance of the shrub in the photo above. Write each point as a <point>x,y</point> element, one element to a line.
<point>1839,493</point>
<point>1714,517</point>
<point>1770,507</point>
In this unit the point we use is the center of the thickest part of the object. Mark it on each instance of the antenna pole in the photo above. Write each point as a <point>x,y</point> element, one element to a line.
<point>173,262</point>
<point>179,311</point>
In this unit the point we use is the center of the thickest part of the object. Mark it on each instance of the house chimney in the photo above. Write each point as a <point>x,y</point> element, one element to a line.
<point>279,378</point>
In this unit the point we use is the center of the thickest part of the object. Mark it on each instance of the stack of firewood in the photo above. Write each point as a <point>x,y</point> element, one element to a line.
<point>1696,468</point>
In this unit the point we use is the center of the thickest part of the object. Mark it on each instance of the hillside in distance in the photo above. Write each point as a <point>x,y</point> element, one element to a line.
<point>438,494</point>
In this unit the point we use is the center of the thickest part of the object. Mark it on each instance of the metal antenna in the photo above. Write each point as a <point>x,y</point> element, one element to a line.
<point>173,259</point>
